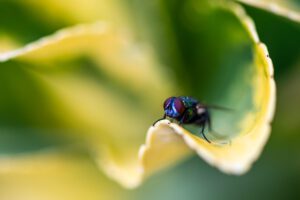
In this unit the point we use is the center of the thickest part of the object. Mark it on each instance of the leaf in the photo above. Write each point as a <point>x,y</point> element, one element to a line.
<point>244,146</point>
<point>53,175</point>
<point>103,87</point>
<point>289,9</point>
<point>74,12</point>
<point>54,15</point>
<point>87,75</point>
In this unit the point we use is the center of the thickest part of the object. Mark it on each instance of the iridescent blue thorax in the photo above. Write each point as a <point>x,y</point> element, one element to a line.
<point>189,101</point>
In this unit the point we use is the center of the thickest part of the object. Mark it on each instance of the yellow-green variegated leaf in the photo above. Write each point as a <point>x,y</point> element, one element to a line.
<point>235,152</point>
<point>52,175</point>
<point>53,15</point>
<point>100,88</point>
<point>71,12</point>
<point>286,8</point>
<point>95,86</point>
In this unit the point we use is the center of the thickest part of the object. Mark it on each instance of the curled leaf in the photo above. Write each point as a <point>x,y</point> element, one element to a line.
<point>285,8</point>
<point>244,147</point>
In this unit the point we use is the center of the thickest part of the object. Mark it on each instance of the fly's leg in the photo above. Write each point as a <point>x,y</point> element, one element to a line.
<point>202,132</point>
<point>164,117</point>
<point>208,122</point>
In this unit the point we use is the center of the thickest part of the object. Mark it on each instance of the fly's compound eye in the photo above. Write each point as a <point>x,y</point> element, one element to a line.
<point>173,107</point>
<point>168,102</point>
<point>179,106</point>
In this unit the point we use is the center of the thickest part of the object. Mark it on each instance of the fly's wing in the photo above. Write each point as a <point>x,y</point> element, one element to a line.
<point>217,107</point>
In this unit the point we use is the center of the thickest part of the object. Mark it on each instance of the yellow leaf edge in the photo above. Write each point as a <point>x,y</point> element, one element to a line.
<point>223,157</point>
<point>274,8</point>
<point>97,28</point>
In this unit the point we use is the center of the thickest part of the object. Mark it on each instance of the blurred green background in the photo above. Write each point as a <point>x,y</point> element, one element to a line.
<point>276,175</point>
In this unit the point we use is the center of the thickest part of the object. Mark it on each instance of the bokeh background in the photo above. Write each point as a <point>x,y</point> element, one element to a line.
<point>276,175</point>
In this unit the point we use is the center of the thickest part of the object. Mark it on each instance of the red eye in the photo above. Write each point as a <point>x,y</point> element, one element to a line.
<point>179,106</point>
<point>167,102</point>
